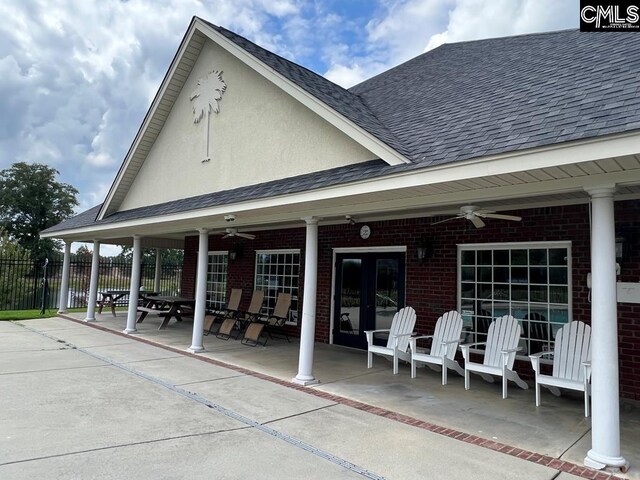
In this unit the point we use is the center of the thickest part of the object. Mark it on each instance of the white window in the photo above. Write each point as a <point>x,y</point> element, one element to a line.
<point>278,271</point>
<point>217,280</point>
<point>530,281</point>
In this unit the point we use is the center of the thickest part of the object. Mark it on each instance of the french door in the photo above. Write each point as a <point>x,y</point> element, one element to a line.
<point>369,291</point>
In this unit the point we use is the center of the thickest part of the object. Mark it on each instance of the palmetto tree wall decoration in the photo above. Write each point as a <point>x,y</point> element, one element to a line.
<point>206,98</point>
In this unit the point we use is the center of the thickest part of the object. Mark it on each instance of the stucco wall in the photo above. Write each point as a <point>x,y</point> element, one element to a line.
<point>431,288</point>
<point>260,134</point>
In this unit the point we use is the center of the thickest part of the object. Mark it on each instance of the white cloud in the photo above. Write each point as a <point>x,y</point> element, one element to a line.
<point>476,19</point>
<point>77,76</point>
<point>403,29</point>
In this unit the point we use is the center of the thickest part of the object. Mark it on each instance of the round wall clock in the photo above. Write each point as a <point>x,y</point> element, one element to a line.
<point>365,232</point>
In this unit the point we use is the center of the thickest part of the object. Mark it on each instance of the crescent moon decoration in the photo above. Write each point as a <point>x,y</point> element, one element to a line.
<point>206,99</point>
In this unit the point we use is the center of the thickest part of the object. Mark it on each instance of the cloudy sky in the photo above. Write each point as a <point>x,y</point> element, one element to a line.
<point>77,76</point>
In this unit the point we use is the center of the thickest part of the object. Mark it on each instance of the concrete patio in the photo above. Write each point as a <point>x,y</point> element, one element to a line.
<point>557,429</point>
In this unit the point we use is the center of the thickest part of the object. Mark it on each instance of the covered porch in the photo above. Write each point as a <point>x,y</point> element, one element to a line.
<point>557,429</point>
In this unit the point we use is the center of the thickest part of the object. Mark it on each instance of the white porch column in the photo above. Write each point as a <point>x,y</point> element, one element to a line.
<point>201,292</point>
<point>605,422</point>
<point>64,284</point>
<point>308,331</point>
<point>158,272</point>
<point>134,285</point>
<point>93,285</point>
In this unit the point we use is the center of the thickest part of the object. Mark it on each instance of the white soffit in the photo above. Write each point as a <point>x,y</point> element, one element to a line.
<point>398,196</point>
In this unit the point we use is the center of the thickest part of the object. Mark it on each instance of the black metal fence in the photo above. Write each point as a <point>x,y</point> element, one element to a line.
<point>23,281</point>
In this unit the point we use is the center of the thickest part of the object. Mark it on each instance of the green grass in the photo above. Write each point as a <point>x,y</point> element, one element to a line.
<point>32,314</point>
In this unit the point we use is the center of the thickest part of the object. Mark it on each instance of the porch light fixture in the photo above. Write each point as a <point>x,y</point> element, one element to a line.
<point>620,249</point>
<point>424,249</point>
<point>235,253</point>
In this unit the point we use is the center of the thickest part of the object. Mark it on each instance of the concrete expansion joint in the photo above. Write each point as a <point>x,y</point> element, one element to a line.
<point>540,459</point>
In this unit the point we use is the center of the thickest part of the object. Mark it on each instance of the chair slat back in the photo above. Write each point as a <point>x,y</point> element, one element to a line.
<point>403,322</point>
<point>234,299</point>
<point>283,303</point>
<point>504,334</point>
<point>448,328</point>
<point>256,302</point>
<point>572,347</point>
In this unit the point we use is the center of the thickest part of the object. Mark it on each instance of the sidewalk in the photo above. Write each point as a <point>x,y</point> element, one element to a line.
<point>78,402</point>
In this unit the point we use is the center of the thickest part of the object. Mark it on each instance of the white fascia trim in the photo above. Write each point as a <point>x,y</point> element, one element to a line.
<point>554,156</point>
<point>356,133</point>
<point>152,109</point>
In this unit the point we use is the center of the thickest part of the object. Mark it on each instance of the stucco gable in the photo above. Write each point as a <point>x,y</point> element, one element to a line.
<point>338,107</point>
<point>260,134</point>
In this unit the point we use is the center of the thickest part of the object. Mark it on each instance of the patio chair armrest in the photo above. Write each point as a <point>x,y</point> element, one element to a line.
<point>450,342</point>
<point>535,360</point>
<point>371,333</point>
<point>378,331</point>
<point>511,350</point>
<point>420,337</point>
<point>541,354</point>
<point>465,349</point>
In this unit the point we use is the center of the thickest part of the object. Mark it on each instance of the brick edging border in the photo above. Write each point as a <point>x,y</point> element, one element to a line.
<point>545,460</point>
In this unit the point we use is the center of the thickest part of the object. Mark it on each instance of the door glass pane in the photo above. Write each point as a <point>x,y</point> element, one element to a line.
<point>350,296</point>
<point>387,276</point>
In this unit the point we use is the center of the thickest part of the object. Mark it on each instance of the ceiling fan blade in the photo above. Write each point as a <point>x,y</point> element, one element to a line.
<point>445,220</point>
<point>483,212</point>
<point>477,222</point>
<point>246,235</point>
<point>502,217</point>
<point>228,235</point>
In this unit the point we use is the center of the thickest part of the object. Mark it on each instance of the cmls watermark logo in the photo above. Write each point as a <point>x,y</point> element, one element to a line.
<point>603,15</point>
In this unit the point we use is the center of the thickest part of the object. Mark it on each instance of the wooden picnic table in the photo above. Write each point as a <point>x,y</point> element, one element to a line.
<point>111,297</point>
<point>166,307</point>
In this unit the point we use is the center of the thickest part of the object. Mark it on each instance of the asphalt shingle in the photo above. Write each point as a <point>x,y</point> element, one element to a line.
<point>459,101</point>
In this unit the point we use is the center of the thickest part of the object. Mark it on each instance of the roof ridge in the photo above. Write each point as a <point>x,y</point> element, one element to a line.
<point>506,37</point>
<point>360,86</point>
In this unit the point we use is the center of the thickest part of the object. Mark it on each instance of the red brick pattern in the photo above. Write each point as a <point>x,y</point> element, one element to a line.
<point>431,288</point>
<point>551,462</point>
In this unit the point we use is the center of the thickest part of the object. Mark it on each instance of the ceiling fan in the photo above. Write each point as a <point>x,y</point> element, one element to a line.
<point>233,232</point>
<point>475,215</point>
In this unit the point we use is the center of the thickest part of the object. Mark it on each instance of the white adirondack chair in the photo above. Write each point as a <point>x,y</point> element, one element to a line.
<point>571,362</point>
<point>499,354</point>
<point>398,343</point>
<point>444,344</point>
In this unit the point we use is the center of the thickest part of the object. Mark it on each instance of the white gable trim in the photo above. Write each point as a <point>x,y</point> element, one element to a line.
<point>345,125</point>
<point>186,41</point>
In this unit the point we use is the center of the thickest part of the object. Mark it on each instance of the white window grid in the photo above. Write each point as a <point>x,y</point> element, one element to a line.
<point>531,281</point>
<point>217,280</point>
<point>278,271</point>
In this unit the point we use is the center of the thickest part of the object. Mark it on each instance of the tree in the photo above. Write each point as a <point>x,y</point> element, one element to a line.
<point>170,256</point>
<point>31,200</point>
<point>14,272</point>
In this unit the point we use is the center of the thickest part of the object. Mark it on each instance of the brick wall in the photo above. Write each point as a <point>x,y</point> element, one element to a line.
<point>431,288</point>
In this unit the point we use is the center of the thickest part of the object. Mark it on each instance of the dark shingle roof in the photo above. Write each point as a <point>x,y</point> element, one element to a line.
<point>480,98</point>
<point>300,183</point>
<point>341,100</point>
<point>457,102</point>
